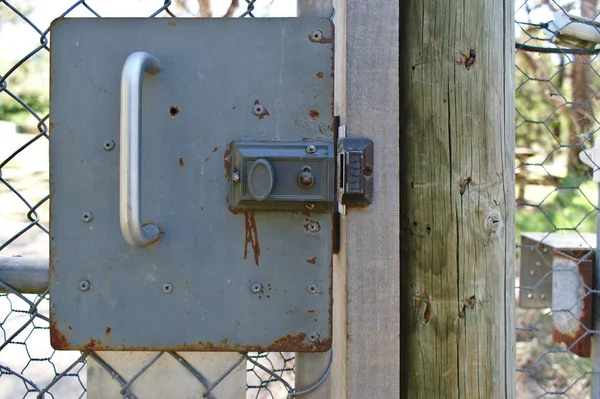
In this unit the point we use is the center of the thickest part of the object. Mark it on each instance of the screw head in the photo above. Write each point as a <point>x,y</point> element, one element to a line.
<point>306,179</point>
<point>235,177</point>
<point>316,36</point>
<point>108,145</point>
<point>311,149</point>
<point>258,109</point>
<point>312,289</point>
<point>310,206</point>
<point>312,336</point>
<point>87,217</point>
<point>83,285</point>
<point>167,288</point>
<point>256,288</point>
<point>313,227</point>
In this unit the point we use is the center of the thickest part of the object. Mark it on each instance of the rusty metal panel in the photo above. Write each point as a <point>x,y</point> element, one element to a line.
<point>572,279</point>
<point>216,279</point>
<point>535,287</point>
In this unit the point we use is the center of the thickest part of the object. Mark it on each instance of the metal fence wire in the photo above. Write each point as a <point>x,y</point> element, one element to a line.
<point>557,79</point>
<point>29,367</point>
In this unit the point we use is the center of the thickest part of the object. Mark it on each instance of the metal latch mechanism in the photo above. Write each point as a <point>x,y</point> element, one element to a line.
<point>299,175</point>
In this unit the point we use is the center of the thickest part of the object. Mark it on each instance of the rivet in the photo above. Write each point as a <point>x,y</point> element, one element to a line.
<point>530,295</point>
<point>532,272</point>
<point>311,149</point>
<point>256,288</point>
<point>312,288</point>
<point>83,285</point>
<point>167,288</point>
<point>109,145</point>
<point>316,36</point>
<point>543,296</point>
<point>236,177</point>
<point>87,217</point>
<point>312,336</point>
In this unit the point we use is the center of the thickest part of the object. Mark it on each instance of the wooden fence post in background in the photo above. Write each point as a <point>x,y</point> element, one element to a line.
<point>457,199</point>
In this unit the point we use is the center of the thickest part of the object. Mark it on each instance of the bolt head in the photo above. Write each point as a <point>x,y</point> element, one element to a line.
<point>256,288</point>
<point>258,109</point>
<point>312,336</point>
<point>87,217</point>
<point>311,149</point>
<point>310,206</point>
<point>312,289</point>
<point>108,145</point>
<point>316,36</point>
<point>313,227</point>
<point>167,288</point>
<point>83,285</point>
<point>236,177</point>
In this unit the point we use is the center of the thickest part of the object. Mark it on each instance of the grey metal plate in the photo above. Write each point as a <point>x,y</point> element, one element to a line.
<point>536,263</point>
<point>214,72</point>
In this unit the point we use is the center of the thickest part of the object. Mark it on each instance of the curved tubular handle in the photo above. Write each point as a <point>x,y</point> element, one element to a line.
<point>130,165</point>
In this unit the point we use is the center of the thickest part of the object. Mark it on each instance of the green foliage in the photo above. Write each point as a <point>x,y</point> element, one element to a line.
<point>562,208</point>
<point>30,85</point>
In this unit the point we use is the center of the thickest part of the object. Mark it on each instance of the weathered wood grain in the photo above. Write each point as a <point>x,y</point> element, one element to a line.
<point>457,199</point>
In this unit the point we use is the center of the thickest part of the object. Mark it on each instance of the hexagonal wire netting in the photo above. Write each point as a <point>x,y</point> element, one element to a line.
<point>557,81</point>
<point>29,367</point>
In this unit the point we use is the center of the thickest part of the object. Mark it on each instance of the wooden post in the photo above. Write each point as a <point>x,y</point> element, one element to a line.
<point>372,246</point>
<point>457,199</point>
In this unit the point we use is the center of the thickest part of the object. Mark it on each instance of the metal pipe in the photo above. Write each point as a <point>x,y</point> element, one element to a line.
<point>26,275</point>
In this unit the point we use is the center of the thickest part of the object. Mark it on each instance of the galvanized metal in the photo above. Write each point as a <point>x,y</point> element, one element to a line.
<point>130,171</point>
<point>537,253</point>
<point>209,253</point>
<point>25,275</point>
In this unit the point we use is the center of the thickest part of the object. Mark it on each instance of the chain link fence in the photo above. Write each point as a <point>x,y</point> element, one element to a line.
<point>29,367</point>
<point>557,79</point>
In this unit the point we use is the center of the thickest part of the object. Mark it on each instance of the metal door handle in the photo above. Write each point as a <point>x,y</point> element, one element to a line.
<point>130,165</point>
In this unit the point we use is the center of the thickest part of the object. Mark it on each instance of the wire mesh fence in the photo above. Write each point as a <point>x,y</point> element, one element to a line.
<point>29,367</point>
<point>557,80</point>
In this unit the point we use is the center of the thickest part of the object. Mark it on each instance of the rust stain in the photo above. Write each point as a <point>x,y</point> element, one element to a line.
<point>187,282</point>
<point>173,111</point>
<point>227,162</point>
<point>319,75</point>
<point>206,159</point>
<point>57,339</point>
<point>251,236</point>
<point>171,24</point>
<point>312,261</point>
<point>233,211</point>
<point>320,130</point>
<point>314,114</point>
<point>107,334</point>
<point>70,327</point>
<point>181,163</point>
<point>215,149</point>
